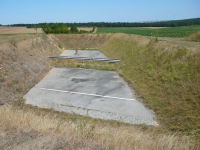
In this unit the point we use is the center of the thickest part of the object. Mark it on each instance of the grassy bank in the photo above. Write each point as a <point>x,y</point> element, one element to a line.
<point>82,41</point>
<point>162,32</point>
<point>194,37</point>
<point>166,78</point>
<point>23,62</point>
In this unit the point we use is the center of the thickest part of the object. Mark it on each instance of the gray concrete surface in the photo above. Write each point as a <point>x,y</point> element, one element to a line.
<point>84,53</point>
<point>58,90</point>
<point>99,94</point>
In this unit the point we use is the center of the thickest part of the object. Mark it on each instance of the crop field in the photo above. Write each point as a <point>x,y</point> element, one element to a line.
<point>18,30</point>
<point>160,32</point>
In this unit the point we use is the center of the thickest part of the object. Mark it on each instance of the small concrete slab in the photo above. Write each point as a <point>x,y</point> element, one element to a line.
<point>99,94</point>
<point>84,53</point>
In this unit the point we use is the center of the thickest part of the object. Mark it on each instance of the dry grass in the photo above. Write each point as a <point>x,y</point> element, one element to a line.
<point>167,78</point>
<point>23,63</point>
<point>82,41</point>
<point>85,28</point>
<point>18,30</point>
<point>194,37</point>
<point>37,130</point>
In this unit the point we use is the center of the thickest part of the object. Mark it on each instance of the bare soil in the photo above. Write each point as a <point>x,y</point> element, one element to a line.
<point>84,28</point>
<point>17,30</point>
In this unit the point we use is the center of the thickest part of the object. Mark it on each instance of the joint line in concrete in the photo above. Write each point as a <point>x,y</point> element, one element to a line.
<point>87,94</point>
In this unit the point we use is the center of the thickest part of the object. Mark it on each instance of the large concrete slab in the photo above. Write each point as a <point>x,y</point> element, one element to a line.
<point>84,53</point>
<point>99,94</point>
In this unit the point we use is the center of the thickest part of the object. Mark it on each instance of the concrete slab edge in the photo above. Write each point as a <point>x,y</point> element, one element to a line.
<point>100,114</point>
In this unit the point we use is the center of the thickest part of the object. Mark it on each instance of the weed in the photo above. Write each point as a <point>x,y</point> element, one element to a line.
<point>2,80</point>
<point>60,45</point>
<point>16,81</point>
<point>44,37</point>
<point>194,37</point>
<point>13,42</point>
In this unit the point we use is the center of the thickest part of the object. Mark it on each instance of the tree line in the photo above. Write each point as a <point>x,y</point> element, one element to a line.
<point>59,28</point>
<point>172,23</point>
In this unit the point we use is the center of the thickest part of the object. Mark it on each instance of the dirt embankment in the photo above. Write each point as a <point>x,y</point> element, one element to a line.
<point>23,63</point>
<point>82,40</point>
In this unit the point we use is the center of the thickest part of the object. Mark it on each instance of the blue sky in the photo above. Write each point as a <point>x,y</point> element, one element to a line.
<point>37,11</point>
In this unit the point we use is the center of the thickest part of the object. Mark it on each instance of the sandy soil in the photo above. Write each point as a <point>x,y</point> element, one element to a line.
<point>17,30</point>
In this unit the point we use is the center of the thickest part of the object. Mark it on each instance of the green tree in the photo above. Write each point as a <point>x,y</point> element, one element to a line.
<point>46,28</point>
<point>63,28</point>
<point>74,30</point>
<point>35,27</point>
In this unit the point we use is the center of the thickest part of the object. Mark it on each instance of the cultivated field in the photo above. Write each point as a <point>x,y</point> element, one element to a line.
<point>154,27</point>
<point>18,30</point>
<point>159,32</point>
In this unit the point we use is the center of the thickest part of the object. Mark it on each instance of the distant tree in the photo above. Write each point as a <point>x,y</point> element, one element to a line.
<point>46,28</point>
<point>63,28</point>
<point>74,30</point>
<point>35,27</point>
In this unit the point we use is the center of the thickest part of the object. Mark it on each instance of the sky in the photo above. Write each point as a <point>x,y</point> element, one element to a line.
<point>39,11</point>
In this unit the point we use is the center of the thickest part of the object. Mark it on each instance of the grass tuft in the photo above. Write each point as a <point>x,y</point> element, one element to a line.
<point>194,37</point>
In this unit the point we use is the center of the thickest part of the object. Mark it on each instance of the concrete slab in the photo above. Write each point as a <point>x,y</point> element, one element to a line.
<point>84,53</point>
<point>99,94</point>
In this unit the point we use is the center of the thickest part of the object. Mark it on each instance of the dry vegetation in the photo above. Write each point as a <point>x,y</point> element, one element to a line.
<point>18,30</point>
<point>23,128</point>
<point>23,63</point>
<point>84,28</point>
<point>194,37</point>
<point>167,79</point>
<point>82,41</point>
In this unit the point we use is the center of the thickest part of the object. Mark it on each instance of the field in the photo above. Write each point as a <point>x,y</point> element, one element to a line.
<point>84,28</point>
<point>161,32</point>
<point>18,30</point>
<point>163,77</point>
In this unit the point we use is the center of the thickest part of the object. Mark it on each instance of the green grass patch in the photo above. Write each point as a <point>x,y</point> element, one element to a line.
<point>162,32</point>
<point>167,78</point>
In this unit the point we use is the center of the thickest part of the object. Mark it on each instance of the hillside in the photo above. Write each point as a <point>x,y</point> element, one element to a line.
<point>163,77</point>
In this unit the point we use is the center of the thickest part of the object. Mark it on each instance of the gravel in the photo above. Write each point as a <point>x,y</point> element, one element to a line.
<point>101,114</point>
